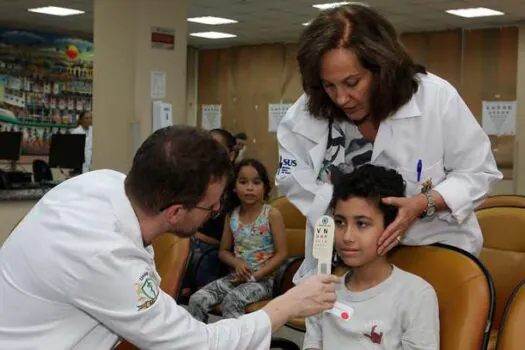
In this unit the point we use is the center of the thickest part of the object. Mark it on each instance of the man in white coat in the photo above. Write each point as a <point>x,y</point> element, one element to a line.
<point>78,271</point>
<point>85,127</point>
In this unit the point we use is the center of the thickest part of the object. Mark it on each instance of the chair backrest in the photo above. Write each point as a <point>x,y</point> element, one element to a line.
<point>171,259</point>
<point>295,241</point>
<point>503,201</point>
<point>511,335</point>
<point>503,250</point>
<point>293,218</point>
<point>285,274</point>
<point>295,224</point>
<point>464,289</point>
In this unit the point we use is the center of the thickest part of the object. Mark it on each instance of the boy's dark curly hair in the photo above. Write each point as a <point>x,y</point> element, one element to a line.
<point>373,183</point>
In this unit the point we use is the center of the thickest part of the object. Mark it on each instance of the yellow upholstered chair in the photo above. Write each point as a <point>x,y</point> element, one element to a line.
<point>503,253</point>
<point>511,335</point>
<point>171,258</point>
<point>503,201</point>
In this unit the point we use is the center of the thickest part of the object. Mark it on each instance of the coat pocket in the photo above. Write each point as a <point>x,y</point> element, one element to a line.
<point>430,176</point>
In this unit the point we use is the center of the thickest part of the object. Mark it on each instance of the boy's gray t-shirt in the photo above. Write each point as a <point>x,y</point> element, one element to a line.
<point>399,313</point>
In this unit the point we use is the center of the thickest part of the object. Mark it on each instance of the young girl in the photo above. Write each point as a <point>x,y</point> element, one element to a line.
<point>256,233</point>
<point>393,309</point>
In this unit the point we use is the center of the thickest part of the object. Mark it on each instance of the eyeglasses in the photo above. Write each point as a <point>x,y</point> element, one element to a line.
<point>213,213</point>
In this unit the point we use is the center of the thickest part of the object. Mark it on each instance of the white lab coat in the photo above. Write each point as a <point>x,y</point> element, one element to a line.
<point>88,149</point>
<point>435,126</point>
<point>75,273</point>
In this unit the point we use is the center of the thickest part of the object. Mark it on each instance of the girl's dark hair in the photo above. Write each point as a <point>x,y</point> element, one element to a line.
<point>372,183</point>
<point>233,200</point>
<point>375,42</point>
<point>227,137</point>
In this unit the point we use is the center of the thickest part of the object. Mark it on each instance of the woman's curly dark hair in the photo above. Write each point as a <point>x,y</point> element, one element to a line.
<point>372,183</point>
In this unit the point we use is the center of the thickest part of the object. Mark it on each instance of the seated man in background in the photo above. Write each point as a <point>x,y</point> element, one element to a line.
<point>241,140</point>
<point>84,127</point>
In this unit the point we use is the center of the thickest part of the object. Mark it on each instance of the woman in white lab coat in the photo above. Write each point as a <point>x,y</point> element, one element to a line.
<point>366,101</point>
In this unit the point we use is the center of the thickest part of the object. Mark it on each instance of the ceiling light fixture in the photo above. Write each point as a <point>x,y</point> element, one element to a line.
<point>474,12</point>
<point>330,5</point>
<point>56,11</point>
<point>213,35</point>
<point>211,20</point>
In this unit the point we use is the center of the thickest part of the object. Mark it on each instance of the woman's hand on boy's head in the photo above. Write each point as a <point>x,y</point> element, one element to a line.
<point>409,210</point>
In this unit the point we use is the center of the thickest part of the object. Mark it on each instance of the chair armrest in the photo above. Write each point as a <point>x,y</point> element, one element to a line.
<point>187,267</point>
<point>283,270</point>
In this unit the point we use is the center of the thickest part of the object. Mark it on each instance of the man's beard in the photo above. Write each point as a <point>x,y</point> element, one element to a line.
<point>182,232</point>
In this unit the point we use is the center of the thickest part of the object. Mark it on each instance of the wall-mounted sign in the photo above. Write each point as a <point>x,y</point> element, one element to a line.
<point>162,38</point>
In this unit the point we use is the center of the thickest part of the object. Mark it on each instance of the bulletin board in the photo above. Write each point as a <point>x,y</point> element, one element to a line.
<point>45,82</point>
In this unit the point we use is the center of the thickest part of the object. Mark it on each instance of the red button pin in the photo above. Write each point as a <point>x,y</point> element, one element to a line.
<point>342,311</point>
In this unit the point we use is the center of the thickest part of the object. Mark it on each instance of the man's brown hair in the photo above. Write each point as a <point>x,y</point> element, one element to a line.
<point>175,165</point>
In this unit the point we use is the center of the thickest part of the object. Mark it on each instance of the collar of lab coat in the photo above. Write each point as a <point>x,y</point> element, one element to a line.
<point>385,133</point>
<point>128,221</point>
<point>316,129</point>
<point>408,110</point>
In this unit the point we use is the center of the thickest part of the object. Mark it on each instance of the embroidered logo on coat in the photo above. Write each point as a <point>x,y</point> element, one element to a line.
<point>147,291</point>
<point>286,166</point>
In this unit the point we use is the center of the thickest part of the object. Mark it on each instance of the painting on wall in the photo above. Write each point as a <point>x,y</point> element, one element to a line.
<point>45,83</point>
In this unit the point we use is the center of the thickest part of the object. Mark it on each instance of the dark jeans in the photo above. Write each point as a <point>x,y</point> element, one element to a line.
<point>210,266</point>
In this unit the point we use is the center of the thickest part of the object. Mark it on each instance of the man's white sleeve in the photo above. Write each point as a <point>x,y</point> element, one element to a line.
<point>118,290</point>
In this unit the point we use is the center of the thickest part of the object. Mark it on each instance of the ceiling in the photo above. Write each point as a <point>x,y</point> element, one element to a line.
<point>267,21</point>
